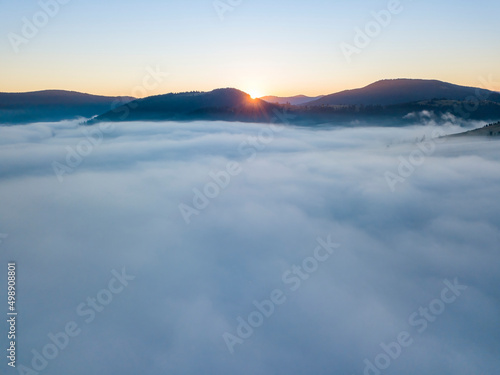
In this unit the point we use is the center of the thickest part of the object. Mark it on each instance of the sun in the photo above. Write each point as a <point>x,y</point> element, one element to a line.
<point>255,94</point>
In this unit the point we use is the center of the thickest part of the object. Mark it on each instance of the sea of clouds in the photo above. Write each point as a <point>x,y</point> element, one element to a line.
<point>396,233</point>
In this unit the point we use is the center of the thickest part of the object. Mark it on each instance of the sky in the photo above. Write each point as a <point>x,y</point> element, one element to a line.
<point>393,251</point>
<point>261,47</point>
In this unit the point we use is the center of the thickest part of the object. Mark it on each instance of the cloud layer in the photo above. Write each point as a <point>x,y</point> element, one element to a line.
<point>119,207</point>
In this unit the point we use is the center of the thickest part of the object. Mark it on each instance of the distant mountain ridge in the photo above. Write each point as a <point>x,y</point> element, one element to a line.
<point>48,97</point>
<point>491,130</point>
<point>400,91</point>
<point>293,100</point>
<point>54,105</point>
<point>221,104</point>
<point>387,101</point>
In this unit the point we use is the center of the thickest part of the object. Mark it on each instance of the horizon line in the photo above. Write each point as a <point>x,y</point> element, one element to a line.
<point>229,87</point>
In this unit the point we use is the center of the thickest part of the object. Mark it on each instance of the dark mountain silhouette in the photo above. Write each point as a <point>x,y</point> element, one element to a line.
<point>491,130</point>
<point>235,105</point>
<point>402,102</point>
<point>439,111</point>
<point>53,105</point>
<point>293,100</point>
<point>221,104</point>
<point>400,91</point>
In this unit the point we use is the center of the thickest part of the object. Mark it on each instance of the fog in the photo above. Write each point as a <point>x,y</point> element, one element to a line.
<point>395,231</point>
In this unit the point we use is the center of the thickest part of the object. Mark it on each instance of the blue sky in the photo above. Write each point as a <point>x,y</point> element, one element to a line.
<point>279,47</point>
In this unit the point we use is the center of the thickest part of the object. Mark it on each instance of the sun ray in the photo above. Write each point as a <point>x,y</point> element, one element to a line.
<point>255,94</point>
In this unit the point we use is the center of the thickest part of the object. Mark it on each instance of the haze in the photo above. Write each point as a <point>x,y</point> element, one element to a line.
<point>120,208</point>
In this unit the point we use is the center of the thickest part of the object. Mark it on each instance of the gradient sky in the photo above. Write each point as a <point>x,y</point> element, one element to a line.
<point>262,47</point>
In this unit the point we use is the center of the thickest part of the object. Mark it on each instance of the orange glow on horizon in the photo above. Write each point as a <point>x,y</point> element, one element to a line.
<point>254,94</point>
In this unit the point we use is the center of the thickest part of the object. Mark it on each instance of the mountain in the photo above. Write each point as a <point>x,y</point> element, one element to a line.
<point>221,104</point>
<point>403,101</point>
<point>235,105</point>
<point>293,100</point>
<point>54,105</point>
<point>437,111</point>
<point>400,91</point>
<point>491,130</point>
